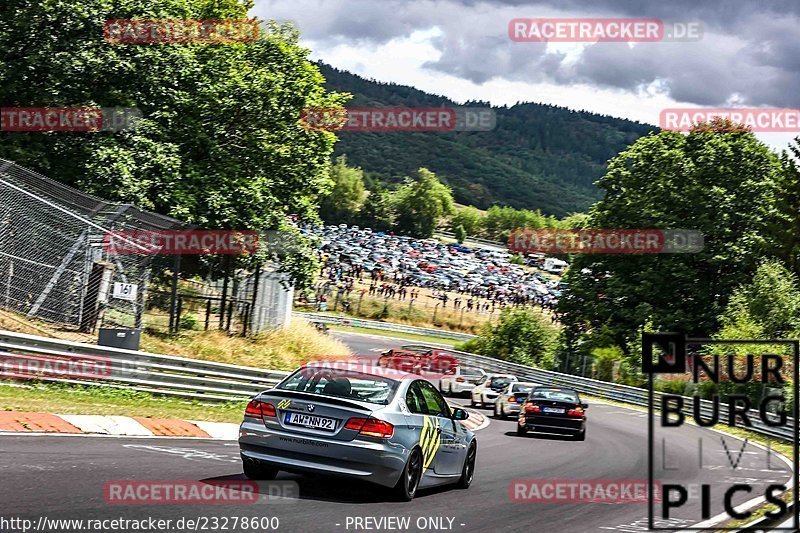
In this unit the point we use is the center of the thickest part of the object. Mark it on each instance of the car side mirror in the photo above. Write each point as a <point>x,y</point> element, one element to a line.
<point>460,414</point>
<point>585,405</point>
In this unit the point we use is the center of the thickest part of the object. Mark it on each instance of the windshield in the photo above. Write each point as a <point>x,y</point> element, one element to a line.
<point>349,385</point>
<point>563,395</point>
<point>499,383</point>
<point>471,372</point>
<point>521,388</point>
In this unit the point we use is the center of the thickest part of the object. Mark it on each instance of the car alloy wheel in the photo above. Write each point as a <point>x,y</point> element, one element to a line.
<point>408,483</point>
<point>468,472</point>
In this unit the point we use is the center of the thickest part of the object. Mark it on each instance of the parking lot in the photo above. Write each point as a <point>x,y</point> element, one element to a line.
<point>392,266</point>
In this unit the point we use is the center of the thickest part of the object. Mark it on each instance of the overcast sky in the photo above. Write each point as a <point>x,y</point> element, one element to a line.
<point>749,54</point>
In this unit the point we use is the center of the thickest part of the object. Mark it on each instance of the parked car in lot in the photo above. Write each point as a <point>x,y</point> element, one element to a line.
<point>461,379</point>
<point>511,398</point>
<point>486,392</point>
<point>553,410</point>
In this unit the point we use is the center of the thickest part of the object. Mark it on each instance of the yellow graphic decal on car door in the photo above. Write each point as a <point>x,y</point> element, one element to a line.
<point>430,440</point>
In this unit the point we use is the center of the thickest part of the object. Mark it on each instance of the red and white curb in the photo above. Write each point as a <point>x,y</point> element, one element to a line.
<point>111,425</point>
<point>20,423</point>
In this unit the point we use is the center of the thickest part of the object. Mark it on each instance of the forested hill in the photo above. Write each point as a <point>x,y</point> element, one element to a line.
<point>539,156</point>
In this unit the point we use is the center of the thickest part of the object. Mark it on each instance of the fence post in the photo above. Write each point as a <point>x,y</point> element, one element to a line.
<point>173,301</point>
<point>230,315</point>
<point>178,315</point>
<point>227,274</point>
<point>252,309</point>
<point>208,312</point>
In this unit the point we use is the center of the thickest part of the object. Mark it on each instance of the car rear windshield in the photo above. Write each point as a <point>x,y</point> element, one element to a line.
<point>498,383</point>
<point>470,372</point>
<point>522,388</point>
<point>563,395</point>
<point>350,385</point>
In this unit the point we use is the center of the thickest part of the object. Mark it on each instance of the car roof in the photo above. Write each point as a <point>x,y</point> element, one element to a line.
<point>555,387</point>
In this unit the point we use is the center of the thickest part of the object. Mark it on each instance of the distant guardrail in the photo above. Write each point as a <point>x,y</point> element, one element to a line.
<point>385,326</point>
<point>54,360</point>
<point>486,242</point>
<point>207,380</point>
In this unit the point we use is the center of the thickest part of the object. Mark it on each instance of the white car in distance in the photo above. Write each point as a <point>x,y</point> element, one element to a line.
<point>510,400</point>
<point>486,392</point>
<point>460,379</point>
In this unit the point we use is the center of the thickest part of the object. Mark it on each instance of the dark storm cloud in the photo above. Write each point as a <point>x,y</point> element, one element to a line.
<point>750,53</point>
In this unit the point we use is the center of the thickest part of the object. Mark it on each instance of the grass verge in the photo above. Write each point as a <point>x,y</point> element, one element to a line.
<point>281,349</point>
<point>79,400</point>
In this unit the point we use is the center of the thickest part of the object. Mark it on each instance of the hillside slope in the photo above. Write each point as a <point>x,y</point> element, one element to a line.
<point>539,156</point>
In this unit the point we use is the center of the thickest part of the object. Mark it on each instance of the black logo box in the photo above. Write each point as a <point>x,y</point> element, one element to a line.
<point>673,360</point>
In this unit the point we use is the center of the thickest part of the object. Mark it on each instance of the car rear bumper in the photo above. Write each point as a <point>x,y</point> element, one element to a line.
<point>377,462</point>
<point>462,387</point>
<point>553,424</point>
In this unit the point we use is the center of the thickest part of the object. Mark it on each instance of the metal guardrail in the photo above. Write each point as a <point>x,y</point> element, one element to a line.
<point>165,374</point>
<point>485,242</point>
<point>606,390</point>
<point>386,326</point>
<point>99,365</point>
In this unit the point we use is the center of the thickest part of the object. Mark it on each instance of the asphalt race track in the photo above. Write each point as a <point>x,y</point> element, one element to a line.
<point>65,476</point>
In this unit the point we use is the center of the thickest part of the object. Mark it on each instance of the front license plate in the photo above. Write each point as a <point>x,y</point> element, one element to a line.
<point>554,410</point>
<point>310,421</point>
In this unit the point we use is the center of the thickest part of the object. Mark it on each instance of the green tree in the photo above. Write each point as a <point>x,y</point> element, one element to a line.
<point>421,203</point>
<point>378,210</point>
<point>344,202</point>
<point>469,218</point>
<point>221,144</point>
<point>786,223</point>
<point>521,336</point>
<point>501,221</point>
<point>723,185</point>
<point>766,307</point>
<point>460,233</point>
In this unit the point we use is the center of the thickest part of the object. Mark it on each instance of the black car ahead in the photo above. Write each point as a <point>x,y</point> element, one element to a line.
<point>553,410</point>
